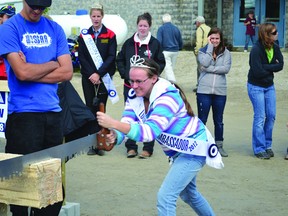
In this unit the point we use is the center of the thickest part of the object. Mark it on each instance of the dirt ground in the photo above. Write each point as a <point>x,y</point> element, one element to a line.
<point>114,185</point>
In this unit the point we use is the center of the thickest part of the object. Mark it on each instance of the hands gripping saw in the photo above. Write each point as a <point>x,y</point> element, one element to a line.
<point>14,166</point>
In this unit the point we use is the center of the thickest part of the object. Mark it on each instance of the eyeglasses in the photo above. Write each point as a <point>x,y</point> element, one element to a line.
<point>36,7</point>
<point>274,33</point>
<point>138,82</point>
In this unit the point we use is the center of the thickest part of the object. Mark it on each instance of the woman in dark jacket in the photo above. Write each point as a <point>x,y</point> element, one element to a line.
<point>265,59</point>
<point>142,43</point>
<point>106,43</point>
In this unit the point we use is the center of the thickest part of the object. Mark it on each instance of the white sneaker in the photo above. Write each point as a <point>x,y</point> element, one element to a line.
<point>245,50</point>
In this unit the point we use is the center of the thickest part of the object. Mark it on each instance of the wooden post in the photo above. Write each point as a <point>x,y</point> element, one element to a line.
<point>39,185</point>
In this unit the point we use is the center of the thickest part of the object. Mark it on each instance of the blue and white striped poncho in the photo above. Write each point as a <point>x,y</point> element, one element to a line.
<point>166,113</point>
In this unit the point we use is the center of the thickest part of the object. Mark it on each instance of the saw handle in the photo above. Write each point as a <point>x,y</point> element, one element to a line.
<point>101,135</point>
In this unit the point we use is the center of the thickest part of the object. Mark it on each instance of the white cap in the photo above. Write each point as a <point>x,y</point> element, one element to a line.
<point>200,19</point>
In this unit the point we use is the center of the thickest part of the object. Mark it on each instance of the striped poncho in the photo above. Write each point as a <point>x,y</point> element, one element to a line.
<point>166,114</point>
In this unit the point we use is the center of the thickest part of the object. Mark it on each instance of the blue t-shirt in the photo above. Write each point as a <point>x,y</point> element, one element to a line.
<point>40,42</point>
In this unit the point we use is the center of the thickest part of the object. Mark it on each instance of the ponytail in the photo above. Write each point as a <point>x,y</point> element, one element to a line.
<point>187,104</point>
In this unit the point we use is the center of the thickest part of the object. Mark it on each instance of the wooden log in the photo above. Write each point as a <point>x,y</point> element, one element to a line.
<point>39,185</point>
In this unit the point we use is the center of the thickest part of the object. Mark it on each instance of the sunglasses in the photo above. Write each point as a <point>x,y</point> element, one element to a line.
<point>274,33</point>
<point>36,7</point>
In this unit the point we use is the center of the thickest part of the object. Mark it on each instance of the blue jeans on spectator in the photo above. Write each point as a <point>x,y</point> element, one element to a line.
<point>248,38</point>
<point>181,180</point>
<point>264,107</point>
<point>217,102</point>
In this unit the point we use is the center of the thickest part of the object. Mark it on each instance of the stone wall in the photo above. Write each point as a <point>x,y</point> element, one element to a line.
<point>227,21</point>
<point>183,12</point>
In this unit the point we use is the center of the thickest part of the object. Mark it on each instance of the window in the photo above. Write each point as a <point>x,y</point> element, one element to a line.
<point>272,10</point>
<point>245,7</point>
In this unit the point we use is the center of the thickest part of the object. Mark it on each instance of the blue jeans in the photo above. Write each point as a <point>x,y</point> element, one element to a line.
<point>181,181</point>
<point>264,107</point>
<point>248,37</point>
<point>204,102</point>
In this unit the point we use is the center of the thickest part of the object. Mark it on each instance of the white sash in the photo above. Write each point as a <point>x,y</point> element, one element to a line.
<point>194,147</point>
<point>97,59</point>
<point>137,104</point>
<point>183,144</point>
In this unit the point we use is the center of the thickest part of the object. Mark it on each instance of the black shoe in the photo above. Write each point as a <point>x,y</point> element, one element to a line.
<point>96,152</point>
<point>91,152</point>
<point>195,90</point>
<point>270,152</point>
<point>263,155</point>
<point>100,152</point>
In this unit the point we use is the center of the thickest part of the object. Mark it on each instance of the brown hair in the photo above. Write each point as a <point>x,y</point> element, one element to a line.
<point>146,16</point>
<point>154,69</point>
<point>221,48</point>
<point>264,34</point>
<point>184,98</point>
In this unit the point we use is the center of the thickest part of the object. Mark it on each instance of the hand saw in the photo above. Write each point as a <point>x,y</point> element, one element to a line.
<point>101,135</point>
<point>14,166</point>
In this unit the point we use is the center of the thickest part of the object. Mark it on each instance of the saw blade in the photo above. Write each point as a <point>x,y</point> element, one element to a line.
<point>14,166</point>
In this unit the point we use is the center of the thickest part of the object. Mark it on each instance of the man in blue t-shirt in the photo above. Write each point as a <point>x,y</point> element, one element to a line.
<point>37,57</point>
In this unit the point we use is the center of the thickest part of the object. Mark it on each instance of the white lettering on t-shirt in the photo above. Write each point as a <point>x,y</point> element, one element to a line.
<point>31,40</point>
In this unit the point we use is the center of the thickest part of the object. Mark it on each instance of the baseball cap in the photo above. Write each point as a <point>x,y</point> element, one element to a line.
<point>8,10</point>
<point>41,3</point>
<point>200,19</point>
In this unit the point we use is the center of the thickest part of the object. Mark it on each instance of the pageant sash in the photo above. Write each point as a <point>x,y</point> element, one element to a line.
<point>97,59</point>
<point>183,144</point>
<point>214,161</point>
<point>109,84</point>
<point>192,146</point>
<point>137,104</point>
